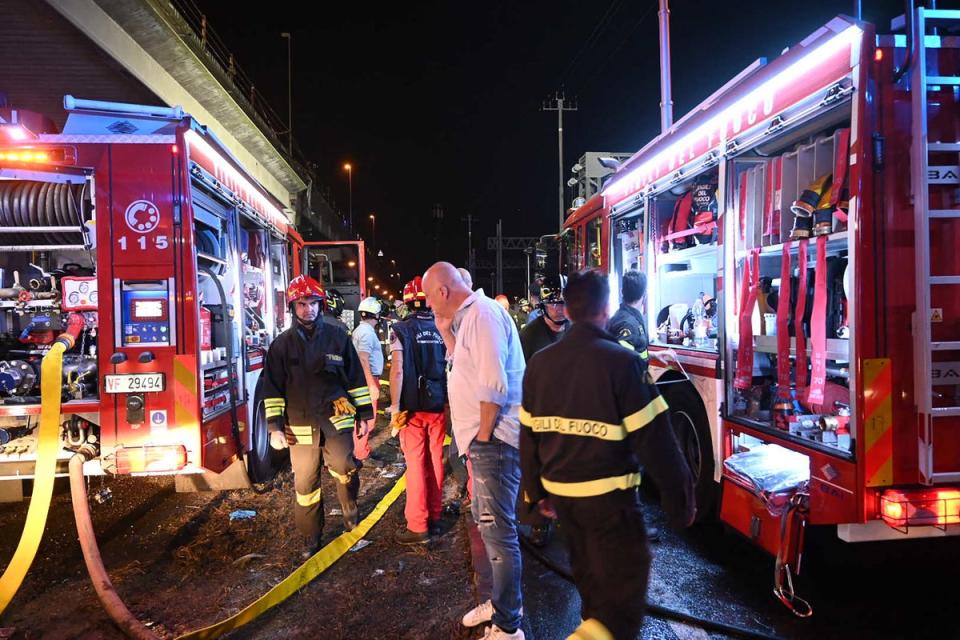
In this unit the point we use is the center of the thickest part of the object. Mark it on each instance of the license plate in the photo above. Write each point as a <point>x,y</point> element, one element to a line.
<point>133,382</point>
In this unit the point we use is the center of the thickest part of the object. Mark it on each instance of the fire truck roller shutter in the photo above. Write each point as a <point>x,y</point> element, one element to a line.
<point>263,461</point>
<point>688,417</point>
<point>29,203</point>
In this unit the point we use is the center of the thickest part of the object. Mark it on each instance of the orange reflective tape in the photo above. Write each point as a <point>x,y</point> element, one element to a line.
<point>878,428</point>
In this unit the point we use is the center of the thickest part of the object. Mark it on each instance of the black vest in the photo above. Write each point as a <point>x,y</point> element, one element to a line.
<point>424,362</point>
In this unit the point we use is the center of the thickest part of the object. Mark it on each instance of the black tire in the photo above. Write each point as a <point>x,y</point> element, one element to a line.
<point>692,429</point>
<point>262,461</point>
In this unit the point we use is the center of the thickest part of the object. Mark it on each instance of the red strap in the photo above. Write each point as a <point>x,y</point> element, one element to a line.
<point>818,327</point>
<point>703,228</point>
<point>743,206</point>
<point>751,275</point>
<point>799,312</point>
<point>783,325</point>
<point>841,164</point>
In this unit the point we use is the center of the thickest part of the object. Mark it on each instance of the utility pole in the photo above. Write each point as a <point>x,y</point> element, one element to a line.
<point>499,257</point>
<point>666,97</point>
<point>470,259</point>
<point>558,104</point>
<point>289,39</point>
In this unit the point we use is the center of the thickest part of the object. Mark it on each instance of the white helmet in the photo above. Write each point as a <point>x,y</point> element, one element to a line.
<point>370,305</point>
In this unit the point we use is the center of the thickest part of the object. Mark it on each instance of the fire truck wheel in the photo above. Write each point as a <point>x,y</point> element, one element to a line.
<point>262,464</point>
<point>692,429</point>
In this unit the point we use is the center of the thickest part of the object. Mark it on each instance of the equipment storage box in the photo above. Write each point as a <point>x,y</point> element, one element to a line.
<point>757,487</point>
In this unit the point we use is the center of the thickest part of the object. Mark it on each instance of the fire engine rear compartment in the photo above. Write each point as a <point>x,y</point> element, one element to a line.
<point>47,284</point>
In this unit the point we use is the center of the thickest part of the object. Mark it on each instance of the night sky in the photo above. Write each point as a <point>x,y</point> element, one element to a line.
<point>439,102</point>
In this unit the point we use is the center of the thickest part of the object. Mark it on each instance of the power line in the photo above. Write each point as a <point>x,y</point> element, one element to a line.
<point>591,39</point>
<point>596,73</point>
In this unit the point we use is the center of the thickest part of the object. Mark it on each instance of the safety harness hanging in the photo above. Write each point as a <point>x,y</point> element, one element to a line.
<point>750,284</point>
<point>818,327</point>
<point>799,312</point>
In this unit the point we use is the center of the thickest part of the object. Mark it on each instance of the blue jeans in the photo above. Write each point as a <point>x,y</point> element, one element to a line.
<point>496,481</point>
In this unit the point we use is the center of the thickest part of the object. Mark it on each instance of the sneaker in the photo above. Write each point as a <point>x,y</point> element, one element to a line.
<point>481,613</point>
<point>435,528</point>
<point>493,632</point>
<point>405,536</point>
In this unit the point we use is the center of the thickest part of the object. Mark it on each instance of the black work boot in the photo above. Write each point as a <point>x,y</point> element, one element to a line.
<point>347,494</point>
<point>435,528</point>
<point>405,536</point>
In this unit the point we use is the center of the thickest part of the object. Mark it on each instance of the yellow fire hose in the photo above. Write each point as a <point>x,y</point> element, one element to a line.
<point>309,570</point>
<point>51,372</point>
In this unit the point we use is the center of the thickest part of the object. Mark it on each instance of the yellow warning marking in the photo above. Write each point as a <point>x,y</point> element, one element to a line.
<point>49,446</point>
<point>309,570</point>
<point>937,315</point>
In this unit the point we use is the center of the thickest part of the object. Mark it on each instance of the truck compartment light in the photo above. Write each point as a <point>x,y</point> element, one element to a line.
<point>901,508</point>
<point>151,459</point>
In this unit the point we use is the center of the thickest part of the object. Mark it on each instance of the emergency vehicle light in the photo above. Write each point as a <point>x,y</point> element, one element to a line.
<point>24,155</point>
<point>151,458</point>
<point>901,508</point>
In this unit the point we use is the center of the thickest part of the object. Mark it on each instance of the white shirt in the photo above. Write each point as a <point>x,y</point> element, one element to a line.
<point>487,365</point>
<point>365,340</point>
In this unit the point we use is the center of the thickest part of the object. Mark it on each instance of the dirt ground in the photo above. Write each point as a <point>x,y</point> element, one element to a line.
<point>180,563</point>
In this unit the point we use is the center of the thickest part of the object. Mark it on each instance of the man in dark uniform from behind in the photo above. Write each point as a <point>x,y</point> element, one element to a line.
<point>314,391</point>
<point>590,414</point>
<point>628,325</point>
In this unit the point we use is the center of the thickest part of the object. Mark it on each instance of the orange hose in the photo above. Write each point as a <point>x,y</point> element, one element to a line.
<point>111,602</point>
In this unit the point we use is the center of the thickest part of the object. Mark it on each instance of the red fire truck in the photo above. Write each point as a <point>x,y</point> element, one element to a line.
<point>798,232</point>
<point>138,233</point>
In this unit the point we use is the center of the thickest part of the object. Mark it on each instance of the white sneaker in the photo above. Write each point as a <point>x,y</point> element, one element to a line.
<point>480,614</point>
<point>494,632</point>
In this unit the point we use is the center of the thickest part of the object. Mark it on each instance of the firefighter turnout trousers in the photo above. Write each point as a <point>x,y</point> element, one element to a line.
<point>422,444</point>
<point>318,446</point>
<point>610,561</point>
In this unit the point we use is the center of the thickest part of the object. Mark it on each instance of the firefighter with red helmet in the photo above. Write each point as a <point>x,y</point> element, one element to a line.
<point>419,383</point>
<point>314,392</point>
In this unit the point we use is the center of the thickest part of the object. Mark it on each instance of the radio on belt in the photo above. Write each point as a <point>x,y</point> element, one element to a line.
<point>145,318</point>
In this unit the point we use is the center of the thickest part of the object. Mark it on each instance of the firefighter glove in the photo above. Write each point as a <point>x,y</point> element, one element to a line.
<point>342,407</point>
<point>398,420</point>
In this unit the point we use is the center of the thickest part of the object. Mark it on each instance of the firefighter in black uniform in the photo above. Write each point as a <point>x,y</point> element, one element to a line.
<point>627,324</point>
<point>314,391</point>
<point>590,414</point>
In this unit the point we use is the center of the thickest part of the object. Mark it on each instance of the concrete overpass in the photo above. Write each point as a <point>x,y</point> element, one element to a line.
<point>168,55</point>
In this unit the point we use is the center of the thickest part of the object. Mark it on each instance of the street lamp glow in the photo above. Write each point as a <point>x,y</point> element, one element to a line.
<point>347,167</point>
<point>369,278</point>
<point>377,287</point>
<point>373,217</point>
<point>351,264</point>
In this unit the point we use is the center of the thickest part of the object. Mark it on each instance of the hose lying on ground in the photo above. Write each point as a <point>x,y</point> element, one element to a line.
<point>656,610</point>
<point>111,602</point>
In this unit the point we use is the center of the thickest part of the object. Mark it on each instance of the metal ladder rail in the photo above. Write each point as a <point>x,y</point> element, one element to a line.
<point>924,346</point>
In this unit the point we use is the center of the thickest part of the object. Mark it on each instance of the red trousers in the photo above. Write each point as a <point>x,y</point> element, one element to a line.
<point>361,445</point>
<point>422,444</point>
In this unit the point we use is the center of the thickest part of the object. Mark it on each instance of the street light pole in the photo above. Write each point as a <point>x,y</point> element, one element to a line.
<point>349,169</point>
<point>373,225</point>
<point>289,39</point>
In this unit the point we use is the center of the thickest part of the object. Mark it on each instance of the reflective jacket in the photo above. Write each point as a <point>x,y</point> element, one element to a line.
<point>591,416</point>
<point>305,373</point>
<point>424,357</point>
<point>627,327</point>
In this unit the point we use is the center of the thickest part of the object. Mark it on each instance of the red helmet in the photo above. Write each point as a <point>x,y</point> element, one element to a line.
<point>304,287</point>
<point>413,291</point>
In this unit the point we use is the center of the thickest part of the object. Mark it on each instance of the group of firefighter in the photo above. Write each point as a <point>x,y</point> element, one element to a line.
<point>554,422</point>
